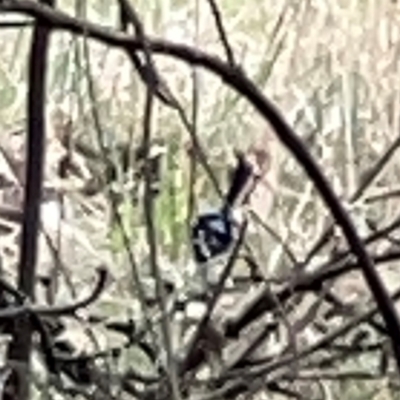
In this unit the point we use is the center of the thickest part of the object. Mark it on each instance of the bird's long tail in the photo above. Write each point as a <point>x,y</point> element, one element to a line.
<point>242,182</point>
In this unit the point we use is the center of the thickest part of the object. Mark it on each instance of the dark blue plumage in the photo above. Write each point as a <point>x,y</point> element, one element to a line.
<point>214,232</point>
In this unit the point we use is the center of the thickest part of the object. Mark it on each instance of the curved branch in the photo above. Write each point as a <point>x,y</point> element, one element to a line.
<point>238,81</point>
<point>57,311</point>
<point>72,308</point>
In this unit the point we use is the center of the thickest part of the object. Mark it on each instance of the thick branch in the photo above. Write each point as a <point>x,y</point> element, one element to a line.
<point>20,347</point>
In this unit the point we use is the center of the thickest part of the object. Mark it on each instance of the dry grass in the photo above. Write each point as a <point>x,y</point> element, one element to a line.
<point>331,67</point>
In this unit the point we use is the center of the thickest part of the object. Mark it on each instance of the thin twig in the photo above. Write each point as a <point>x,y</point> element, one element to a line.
<point>222,34</point>
<point>148,198</point>
<point>114,206</point>
<point>212,301</point>
<point>194,124</point>
<point>58,311</point>
<point>148,205</point>
<point>15,24</point>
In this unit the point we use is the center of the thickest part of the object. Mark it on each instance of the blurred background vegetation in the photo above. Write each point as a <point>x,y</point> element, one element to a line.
<point>332,68</point>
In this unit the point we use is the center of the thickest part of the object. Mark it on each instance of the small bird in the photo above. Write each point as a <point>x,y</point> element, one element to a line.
<point>213,233</point>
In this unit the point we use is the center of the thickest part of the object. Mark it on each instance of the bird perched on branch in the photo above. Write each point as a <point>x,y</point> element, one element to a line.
<point>213,233</point>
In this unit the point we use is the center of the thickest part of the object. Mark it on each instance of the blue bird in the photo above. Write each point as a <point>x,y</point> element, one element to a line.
<point>213,233</point>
